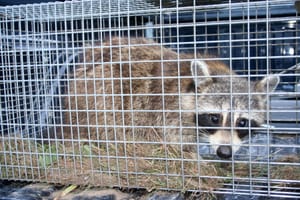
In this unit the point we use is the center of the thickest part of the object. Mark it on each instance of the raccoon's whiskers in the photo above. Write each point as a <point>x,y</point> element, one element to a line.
<point>203,135</point>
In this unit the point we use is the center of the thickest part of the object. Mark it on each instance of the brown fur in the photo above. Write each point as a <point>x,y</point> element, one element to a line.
<point>117,93</point>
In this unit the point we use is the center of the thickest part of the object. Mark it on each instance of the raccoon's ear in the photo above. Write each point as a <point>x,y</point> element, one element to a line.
<point>267,84</point>
<point>200,72</point>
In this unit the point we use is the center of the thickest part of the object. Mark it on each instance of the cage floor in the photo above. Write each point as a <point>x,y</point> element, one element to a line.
<point>141,166</point>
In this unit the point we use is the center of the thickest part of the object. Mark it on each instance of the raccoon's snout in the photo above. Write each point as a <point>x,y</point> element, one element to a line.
<point>224,151</point>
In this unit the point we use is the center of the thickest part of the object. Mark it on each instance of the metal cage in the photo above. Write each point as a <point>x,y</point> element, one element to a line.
<point>49,98</point>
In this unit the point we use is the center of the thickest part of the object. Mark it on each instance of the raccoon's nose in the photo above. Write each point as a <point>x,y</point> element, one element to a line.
<point>224,152</point>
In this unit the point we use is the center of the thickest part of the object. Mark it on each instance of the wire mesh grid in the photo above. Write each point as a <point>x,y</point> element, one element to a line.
<point>138,94</point>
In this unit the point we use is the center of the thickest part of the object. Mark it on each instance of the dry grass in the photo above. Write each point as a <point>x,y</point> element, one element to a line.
<point>132,165</point>
<point>128,165</point>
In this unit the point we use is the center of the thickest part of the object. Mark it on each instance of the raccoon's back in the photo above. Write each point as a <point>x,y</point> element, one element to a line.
<point>118,79</point>
<point>145,63</point>
<point>133,67</point>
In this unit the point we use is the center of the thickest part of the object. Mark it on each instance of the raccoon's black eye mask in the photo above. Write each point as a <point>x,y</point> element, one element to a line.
<point>214,120</point>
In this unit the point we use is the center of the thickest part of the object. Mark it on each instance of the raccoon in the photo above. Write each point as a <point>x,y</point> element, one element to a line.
<point>136,88</point>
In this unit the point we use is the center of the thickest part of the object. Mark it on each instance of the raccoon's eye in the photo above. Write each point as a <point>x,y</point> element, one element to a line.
<point>214,118</point>
<point>242,122</point>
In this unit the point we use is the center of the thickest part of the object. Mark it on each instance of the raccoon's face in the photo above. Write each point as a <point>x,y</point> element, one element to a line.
<point>228,107</point>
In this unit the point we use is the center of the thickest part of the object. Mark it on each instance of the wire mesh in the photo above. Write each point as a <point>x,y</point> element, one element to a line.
<point>116,94</point>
